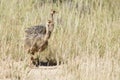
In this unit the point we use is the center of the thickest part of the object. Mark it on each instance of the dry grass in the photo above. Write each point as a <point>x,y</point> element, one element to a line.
<point>86,38</point>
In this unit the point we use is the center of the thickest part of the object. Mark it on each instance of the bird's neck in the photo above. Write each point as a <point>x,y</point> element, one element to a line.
<point>48,33</point>
<point>52,19</point>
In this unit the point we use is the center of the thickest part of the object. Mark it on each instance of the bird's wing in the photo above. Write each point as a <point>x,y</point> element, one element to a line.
<point>40,29</point>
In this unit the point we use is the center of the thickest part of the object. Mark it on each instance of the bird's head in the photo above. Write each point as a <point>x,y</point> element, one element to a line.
<point>53,12</point>
<point>50,25</point>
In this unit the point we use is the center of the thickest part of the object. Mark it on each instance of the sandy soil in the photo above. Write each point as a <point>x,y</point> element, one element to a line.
<point>46,73</point>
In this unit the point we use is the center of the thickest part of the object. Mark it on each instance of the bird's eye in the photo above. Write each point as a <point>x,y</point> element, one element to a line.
<point>49,21</point>
<point>54,11</point>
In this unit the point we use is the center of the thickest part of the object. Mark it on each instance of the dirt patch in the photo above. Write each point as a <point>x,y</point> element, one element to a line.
<point>46,73</point>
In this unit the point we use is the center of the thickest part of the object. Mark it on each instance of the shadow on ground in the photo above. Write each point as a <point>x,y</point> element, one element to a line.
<point>37,62</point>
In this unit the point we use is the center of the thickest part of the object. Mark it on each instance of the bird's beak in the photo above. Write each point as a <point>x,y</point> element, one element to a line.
<point>53,11</point>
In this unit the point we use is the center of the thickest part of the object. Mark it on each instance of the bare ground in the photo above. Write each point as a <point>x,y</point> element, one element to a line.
<point>48,73</point>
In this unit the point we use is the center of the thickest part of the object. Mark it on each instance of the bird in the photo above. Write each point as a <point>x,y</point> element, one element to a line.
<point>36,37</point>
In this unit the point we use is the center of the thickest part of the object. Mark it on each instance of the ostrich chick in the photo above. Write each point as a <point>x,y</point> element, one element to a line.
<point>36,38</point>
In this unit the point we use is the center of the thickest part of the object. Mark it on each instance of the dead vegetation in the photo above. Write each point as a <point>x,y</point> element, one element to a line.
<point>86,39</point>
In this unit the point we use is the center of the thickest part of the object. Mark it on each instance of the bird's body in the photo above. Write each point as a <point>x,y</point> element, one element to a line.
<point>36,37</point>
<point>39,29</point>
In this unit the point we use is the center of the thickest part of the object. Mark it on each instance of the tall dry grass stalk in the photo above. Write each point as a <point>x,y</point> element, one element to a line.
<point>86,37</point>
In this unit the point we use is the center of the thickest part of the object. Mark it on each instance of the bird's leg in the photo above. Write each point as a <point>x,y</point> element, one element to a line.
<point>32,59</point>
<point>30,51</point>
<point>35,60</point>
<point>33,47</point>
